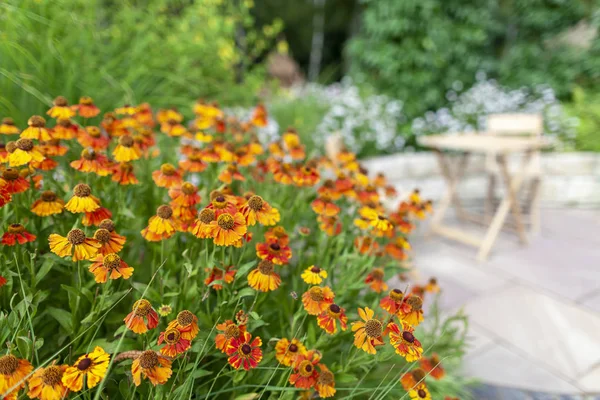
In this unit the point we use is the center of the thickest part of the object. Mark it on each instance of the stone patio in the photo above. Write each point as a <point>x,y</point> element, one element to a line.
<point>534,310</point>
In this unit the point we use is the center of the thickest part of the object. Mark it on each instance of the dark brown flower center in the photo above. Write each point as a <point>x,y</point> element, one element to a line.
<point>265,267</point>
<point>207,215</point>
<point>84,364</point>
<point>60,101</point>
<point>292,348</point>
<point>111,261</point>
<point>316,293</point>
<point>82,190</point>
<point>141,307</point>
<point>422,393</point>
<point>48,196</point>
<point>64,122</point>
<point>305,368</point>
<point>102,235</point>
<point>232,331</point>
<point>185,318</point>
<point>255,203</point>
<point>326,378</point>
<point>226,221</point>
<point>107,224</point>
<point>409,337</point>
<point>148,359</point>
<point>8,364</point>
<point>172,335</point>
<point>10,174</point>
<point>373,328</point>
<point>25,144</point>
<point>315,269</point>
<point>76,236</point>
<point>126,141</point>
<point>8,121</point>
<point>334,308</point>
<point>246,349</point>
<point>126,167</point>
<point>418,374</point>
<point>396,295</point>
<point>36,122</point>
<point>220,199</point>
<point>377,274</point>
<point>16,228</point>
<point>275,246</point>
<point>164,212</point>
<point>88,154</point>
<point>167,169</point>
<point>415,303</point>
<point>52,375</point>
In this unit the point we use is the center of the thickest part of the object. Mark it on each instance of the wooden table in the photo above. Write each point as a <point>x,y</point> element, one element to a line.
<point>499,146</point>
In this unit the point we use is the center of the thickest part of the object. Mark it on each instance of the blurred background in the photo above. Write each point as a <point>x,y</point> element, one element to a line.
<point>381,71</point>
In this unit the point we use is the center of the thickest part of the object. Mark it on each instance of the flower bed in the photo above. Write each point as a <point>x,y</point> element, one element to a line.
<point>147,257</point>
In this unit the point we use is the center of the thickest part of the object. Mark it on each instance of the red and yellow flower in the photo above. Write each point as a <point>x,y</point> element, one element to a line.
<point>167,176</point>
<point>228,229</point>
<point>287,350</point>
<point>92,137</point>
<point>328,319</point>
<point>142,317</point>
<point>161,226</point>
<point>393,302</point>
<point>368,333</point>
<point>244,352</point>
<point>47,204</point>
<point>305,374</point>
<point>86,107</point>
<point>274,251</point>
<point>16,233</point>
<point>175,343</point>
<point>187,323</point>
<point>25,152</point>
<point>217,274</point>
<point>433,366</point>
<point>8,127</point>
<point>324,205</point>
<point>326,382</point>
<point>123,173</point>
<point>92,161</point>
<point>110,266</point>
<point>152,366</point>
<point>228,331</point>
<point>257,209</point>
<point>60,108</point>
<point>420,392</point>
<point>404,341</point>
<point>126,150</point>
<point>13,182</point>
<point>317,299</point>
<point>413,315</point>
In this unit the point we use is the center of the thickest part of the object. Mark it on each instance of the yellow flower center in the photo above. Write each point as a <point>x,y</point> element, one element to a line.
<point>377,274</point>
<point>265,267</point>
<point>8,364</point>
<point>172,335</point>
<point>326,378</point>
<point>107,224</point>
<point>88,154</point>
<point>415,302</point>
<point>85,100</point>
<point>316,293</point>
<point>76,236</point>
<point>232,331</point>
<point>279,232</point>
<point>93,131</point>
<point>396,295</point>
<point>164,212</point>
<point>226,221</point>
<point>16,228</point>
<point>126,141</point>
<point>84,364</point>
<point>52,375</point>
<point>305,368</point>
<point>25,144</point>
<point>111,261</point>
<point>188,188</point>
<point>185,318</point>
<point>142,307</point>
<point>255,203</point>
<point>102,235</point>
<point>408,336</point>
<point>207,215</point>
<point>167,169</point>
<point>82,190</point>
<point>148,359</point>
<point>60,101</point>
<point>373,328</point>
<point>36,122</point>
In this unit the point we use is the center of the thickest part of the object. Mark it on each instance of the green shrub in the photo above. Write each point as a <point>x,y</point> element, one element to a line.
<point>586,108</point>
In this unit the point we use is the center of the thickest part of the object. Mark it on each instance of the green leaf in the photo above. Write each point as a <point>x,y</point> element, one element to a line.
<point>63,317</point>
<point>199,373</point>
<point>246,292</point>
<point>24,344</point>
<point>244,268</point>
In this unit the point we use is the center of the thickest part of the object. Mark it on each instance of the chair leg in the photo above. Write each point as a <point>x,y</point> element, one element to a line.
<point>490,197</point>
<point>534,206</point>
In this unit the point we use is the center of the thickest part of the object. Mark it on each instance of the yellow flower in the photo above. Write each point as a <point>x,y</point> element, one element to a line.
<point>82,200</point>
<point>264,278</point>
<point>85,248</point>
<point>367,334</point>
<point>314,275</point>
<point>93,366</point>
<point>46,383</point>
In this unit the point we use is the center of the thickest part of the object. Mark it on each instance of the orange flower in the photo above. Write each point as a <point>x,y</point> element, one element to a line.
<point>173,128</point>
<point>76,243</point>
<point>306,176</point>
<point>92,161</point>
<point>24,153</point>
<point>13,182</point>
<point>161,226</point>
<point>202,227</point>
<point>432,286</point>
<point>397,248</point>
<point>82,200</point>
<point>328,190</point>
<point>36,129</point>
<point>274,251</point>
<point>323,205</point>
<point>60,108</point>
<point>167,176</point>
<point>412,378</point>
<point>264,278</point>
<point>230,331</point>
<point>86,107</point>
<point>243,351</point>
<point>218,275</point>
<point>110,266</point>
<point>393,302</point>
<point>110,241</point>
<point>3,153</point>
<point>317,299</point>
<point>332,226</point>
<point>259,116</point>
<point>142,317</point>
<point>327,320</point>
<point>174,342</point>
<point>152,366</point>
<point>231,173</point>
<point>187,323</point>
<point>305,374</point>
<point>433,366</point>
<point>257,209</point>
<point>5,196</point>
<point>228,229</point>
<point>277,234</point>
<point>286,351</point>
<point>415,316</point>
<point>8,127</point>
<point>404,341</point>
<point>123,173</point>
<point>46,383</point>
<point>376,280</point>
<point>13,373</point>
<point>193,162</point>
<point>16,233</point>
<point>367,334</point>
<point>326,382</point>
<point>95,217</point>
<point>92,137</point>
<point>366,245</point>
<point>185,195</point>
<point>283,173</point>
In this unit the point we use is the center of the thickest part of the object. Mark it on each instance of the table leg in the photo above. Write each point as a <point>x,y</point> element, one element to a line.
<point>511,192</point>
<point>451,196</point>
<point>507,204</point>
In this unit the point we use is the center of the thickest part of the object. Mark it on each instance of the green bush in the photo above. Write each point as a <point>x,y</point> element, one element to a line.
<point>157,50</point>
<point>586,108</point>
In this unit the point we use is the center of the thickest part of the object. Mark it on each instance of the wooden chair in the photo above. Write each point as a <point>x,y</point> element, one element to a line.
<point>526,125</point>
